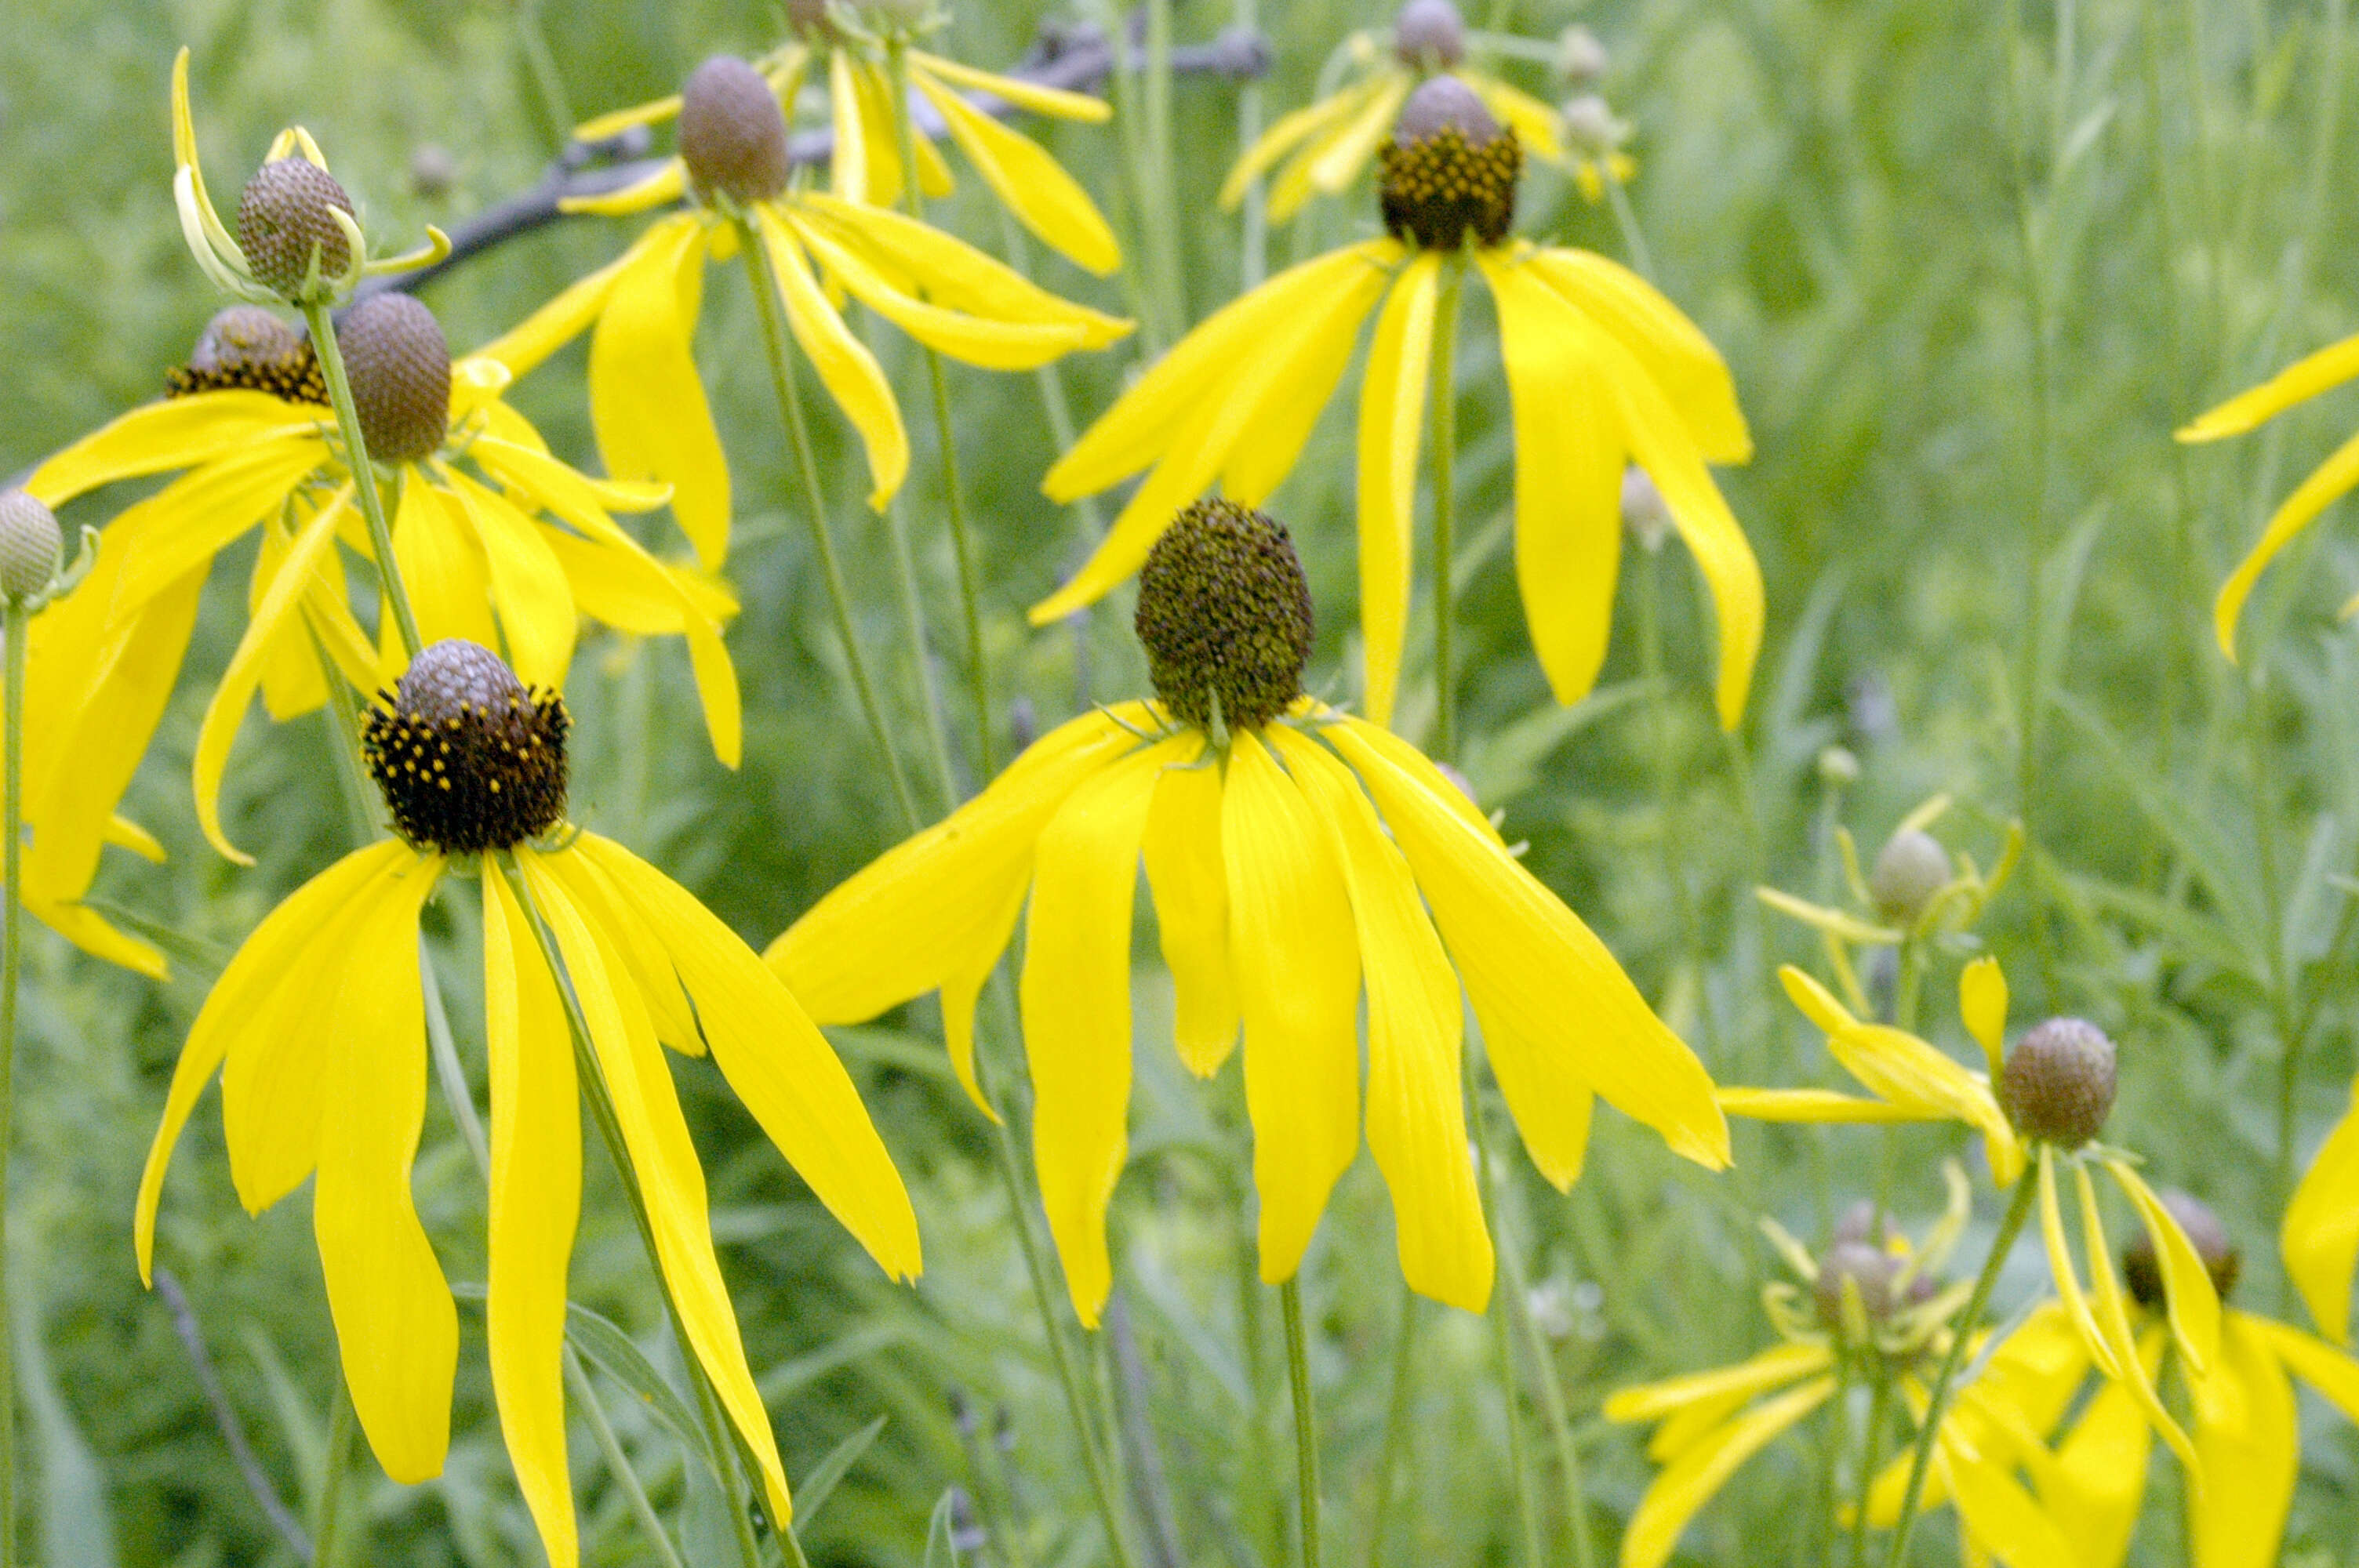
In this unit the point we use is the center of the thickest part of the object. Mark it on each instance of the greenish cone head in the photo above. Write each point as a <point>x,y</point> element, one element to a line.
<point>2221,1260</point>
<point>468,758</point>
<point>399,366</point>
<point>1430,34</point>
<point>2059,1081</point>
<point>1450,171</point>
<point>282,215</point>
<point>248,349</point>
<point>32,546</point>
<point>1224,614</point>
<point>1910,870</point>
<point>732,136</point>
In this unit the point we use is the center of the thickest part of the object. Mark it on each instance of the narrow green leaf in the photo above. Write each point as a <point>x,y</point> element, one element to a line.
<point>814,1489</point>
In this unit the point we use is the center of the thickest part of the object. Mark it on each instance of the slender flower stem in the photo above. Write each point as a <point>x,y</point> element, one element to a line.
<point>1879,1409</point>
<point>332,1479</point>
<point>1666,757</point>
<point>618,1462</point>
<point>1552,1400</point>
<point>1510,1386</point>
<point>1306,1421</point>
<point>1838,1444</point>
<point>1938,1404</point>
<point>1396,1423</point>
<point>897,59</point>
<point>1253,244</point>
<point>1445,468</point>
<point>356,458</point>
<point>1625,218</point>
<point>790,409</point>
<point>16,631</point>
<point>1161,197</point>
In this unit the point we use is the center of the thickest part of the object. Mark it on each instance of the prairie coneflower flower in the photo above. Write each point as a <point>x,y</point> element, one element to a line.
<point>1602,371</point>
<point>1324,146</point>
<point>647,403</point>
<point>510,554</point>
<point>317,1027</point>
<point>1293,853</point>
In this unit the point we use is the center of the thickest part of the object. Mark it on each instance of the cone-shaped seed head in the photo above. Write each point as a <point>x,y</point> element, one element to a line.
<point>1224,614</point>
<point>1429,33</point>
<point>1910,870</point>
<point>2059,1081</point>
<point>399,364</point>
<point>467,757</point>
<point>732,134</point>
<point>1449,170</point>
<point>283,214</point>
<point>32,545</point>
<point>2221,1259</point>
<point>1872,1268</point>
<point>247,347</point>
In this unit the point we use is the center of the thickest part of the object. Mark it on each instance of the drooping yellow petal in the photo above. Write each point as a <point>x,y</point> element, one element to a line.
<point>1289,131</point>
<point>1392,429</point>
<point>1668,346</point>
<point>942,903</point>
<point>2113,1323</point>
<point>396,1323</point>
<point>1820,1106</point>
<point>778,1063</point>
<point>442,566</point>
<point>2319,1236</point>
<point>1417,1112</point>
<point>1286,404</point>
<point>614,122</point>
<point>1898,1067</point>
<point>1558,1016</point>
<point>1190,882</point>
<point>292,675</point>
<point>525,579</point>
<point>1721,1389</point>
<point>2248,1433</point>
<point>971,339</point>
<point>846,368</point>
<point>2099,1489</point>
<point>2298,382</point>
<point>1997,1512</point>
<point>2331,1372</point>
<point>1535,124</point>
<point>1981,1003</point>
<point>536,1200</point>
<point>1334,157</point>
<point>265,961</point>
<point>2194,1305</point>
<point>850,158</point>
<point>1684,1486</point>
<point>1570,451</point>
<point>1032,183</point>
<point>655,1134</point>
<point>1075,993</point>
<point>1055,102</point>
<point>525,345</point>
<point>177,433</point>
<point>2328,483</point>
<point>184,159</point>
<point>184,526</point>
<point>647,401</point>
<point>2066,1273</point>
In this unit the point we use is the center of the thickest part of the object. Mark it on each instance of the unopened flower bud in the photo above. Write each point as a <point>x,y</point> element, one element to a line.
<point>1644,513</point>
<point>2058,1082</point>
<point>1430,34</point>
<point>1910,870</point>
<point>399,366</point>
<point>1870,1270</point>
<point>32,546</point>
<point>1592,126</point>
<point>2202,1227</point>
<point>1579,58</point>
<point>283,215</point>
<point>1838,765</point>
<point>1864,1223</point>
<point>732,136</point>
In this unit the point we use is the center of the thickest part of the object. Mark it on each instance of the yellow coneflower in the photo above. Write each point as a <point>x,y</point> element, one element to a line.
<point>511,555</point>
<point>647,403</point>
<point>317,1027</point>
<point>1602,371</point>
<point>1296,856</point>
<point>1324,146</point>
<point>2320,1236</point>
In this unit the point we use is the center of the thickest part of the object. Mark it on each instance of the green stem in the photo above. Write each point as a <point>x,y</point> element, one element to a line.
<point>1252,243</point>
<point>618,1462</point>
<point>1666,749</point>
<point>356,458</point>
<point>1960,1337</point>
<point>790,409</point>
<point>1397,1408</point>
<point>1510,1386</point>
<point>1445,466</point>
<point>1306,1421</point>
<point>327,1516</point>
<point>1879,1407</point>
<point>1157,194</point>
<point>1553,1405</point>
<point>1642,261</point>
<point>532,41</point>
<point>15,631</point>
<point>1838,1444</point>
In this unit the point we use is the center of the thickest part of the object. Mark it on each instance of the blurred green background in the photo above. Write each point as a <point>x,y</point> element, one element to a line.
<point>1971,265</point>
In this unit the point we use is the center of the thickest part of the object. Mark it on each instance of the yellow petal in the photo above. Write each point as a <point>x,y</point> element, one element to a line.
<point>292,675</point>
<point>647,401</point>
<point>1996,1512</point>
<point>2328,483</point>
<point>535,1199</point>
<point>2066,1273</point>
<point>1558,1016</point>
<point>631,932</point>
<point>263,962</point>
<point>971,339</point>
<point>1982,1001</point>
<point>1286,133</point>
<point>180,527</point>
<point>395,1323</point>
<point>526,582</point>
<point>655,1136</point>
<point>1274,423</point>
<point>1033,185</point>
<point>1570,451</point>
<point>1075,992</point>
<point>1392,429</point>
<point>1722,1388</point>
<point>845,366</point>
<point>944,902</point>
<point>614,122</point>
<point>2101,1475</point>
<point>778,1062</point>
<point>916,258</point>
<point>2194,1305</point>
<point>529,341</point>
<point>2319,1236</point>
<point>177,433</point>
<point>1416,1113</point>
<point>1669,347</point>
<point>184,159</point>
<point>1333,159</point>
<point>664,188</point>
<point>441,564</point>
<point>1055,102</point>
<point>1190,882</point>
<point>2112,1322</point>
<point>2298,382</point>
<point>2332,1373</point>
<point>1296,959</point>
<point>1535,123</point>
<point>849,161</point>
<point>1818,1105</point>
<point>1684,1487</point>
<point>2248,1433</point>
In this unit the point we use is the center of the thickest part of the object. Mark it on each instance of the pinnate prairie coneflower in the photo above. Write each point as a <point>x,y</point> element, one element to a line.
<point>317,1028</point>
<point>1602,371</point>
<point>1297,857</point>
<point>647,403</point>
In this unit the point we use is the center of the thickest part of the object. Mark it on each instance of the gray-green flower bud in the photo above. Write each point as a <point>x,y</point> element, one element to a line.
<point>2058,1082</point>
<point>32,547</point>
<point>283,216</point>
<point>1910,868</point>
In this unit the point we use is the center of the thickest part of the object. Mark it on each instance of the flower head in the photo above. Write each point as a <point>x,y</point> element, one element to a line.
<point>647,401</point>
<point>1297,857</point>
<point>317,1028</point>
<point>1601,372</point>
<point>497,540</point>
